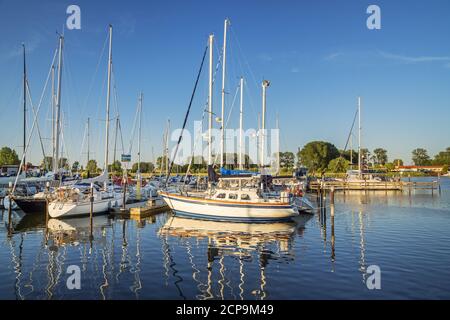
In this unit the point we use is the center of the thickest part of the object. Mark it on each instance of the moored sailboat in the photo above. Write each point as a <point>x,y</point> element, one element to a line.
<point>249,199</point>
<point>75,200</point>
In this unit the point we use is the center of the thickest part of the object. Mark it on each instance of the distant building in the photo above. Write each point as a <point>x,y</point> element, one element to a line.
<point>9,170</point>
<point>436,169</point>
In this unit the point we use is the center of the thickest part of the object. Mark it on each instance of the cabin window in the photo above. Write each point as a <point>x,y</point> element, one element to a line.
<point>233,196</point>
<point>245,197</point>
<point>221,196</point>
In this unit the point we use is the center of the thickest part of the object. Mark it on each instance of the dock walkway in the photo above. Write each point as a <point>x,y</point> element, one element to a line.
<point>373,185</point>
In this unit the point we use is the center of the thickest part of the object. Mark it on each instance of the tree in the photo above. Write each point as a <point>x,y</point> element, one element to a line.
<point>338,165</point>
<point>444,169</point>
<point>146,167</point>
<point>116,166</point>
<point>47,163</point>
<point>350,155</point>
<point>420,157</point>
<point>442,157</point>
<point>161,163</point>
<point>76,166</point>
<point>91,166</point>
<point>316,155</point>
<point>287,160</point>
<point>398,162</point>
<point>64,163</point>
<point>197,163</point>
<point>380,156</point>
<point>8,156</point>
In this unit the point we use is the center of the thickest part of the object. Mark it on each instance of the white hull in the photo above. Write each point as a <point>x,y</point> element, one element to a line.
<point>227,210</point>
<point>58,209</point>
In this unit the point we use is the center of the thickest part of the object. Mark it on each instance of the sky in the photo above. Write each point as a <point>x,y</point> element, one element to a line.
<point>318,55</point>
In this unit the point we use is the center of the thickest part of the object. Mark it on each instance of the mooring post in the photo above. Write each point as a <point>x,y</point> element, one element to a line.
<point>124,193</point>
<point>332,195</point>
<point>409,184</point>
<point>10,208</point>
<point>332,233</point>
<point>91,211</point>
<point>438,183</point>
<point>47,218</point>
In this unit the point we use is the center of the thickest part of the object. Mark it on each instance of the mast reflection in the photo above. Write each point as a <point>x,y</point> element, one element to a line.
<point>226,244</point>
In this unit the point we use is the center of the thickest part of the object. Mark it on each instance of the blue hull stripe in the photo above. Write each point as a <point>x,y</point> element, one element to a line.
<point>227,218</point>
<point>226,204</point>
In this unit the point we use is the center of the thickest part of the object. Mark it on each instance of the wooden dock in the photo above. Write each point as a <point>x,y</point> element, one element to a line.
<point>148,208</point>
<point>373,185</point>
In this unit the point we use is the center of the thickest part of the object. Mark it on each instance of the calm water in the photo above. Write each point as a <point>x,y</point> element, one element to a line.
<point>166,257</point>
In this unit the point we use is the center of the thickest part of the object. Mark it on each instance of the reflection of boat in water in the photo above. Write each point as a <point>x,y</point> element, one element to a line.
<point>242,235</point>
<point>76,230</point>
<point>208,227</point>
<point>229,243</point>
<point>22,222</point>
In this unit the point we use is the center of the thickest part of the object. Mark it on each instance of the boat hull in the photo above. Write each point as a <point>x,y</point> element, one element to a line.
<point>59,209</point>
<point>31,205</point>
<point>231,211</point>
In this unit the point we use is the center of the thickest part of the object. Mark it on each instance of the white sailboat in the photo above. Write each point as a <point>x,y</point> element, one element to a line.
<point>240,200</point>
<point>75,200</point>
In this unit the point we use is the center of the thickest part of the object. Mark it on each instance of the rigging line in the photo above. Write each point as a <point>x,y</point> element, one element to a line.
<point>34,113</point>
<point>350,133</point>
<point>121,137</point>
<point>34,124</point>
<point>242,68</point>
<point>95,74</point>
<point>133,131</point>
<point>83,142</point>
<point>229,115</point>
<point>99,103</point>
<point>187,115</point>
<point>243,56</point>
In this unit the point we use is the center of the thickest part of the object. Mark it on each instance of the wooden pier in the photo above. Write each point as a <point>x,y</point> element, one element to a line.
<point>147,208</point>
<point>373,185</point>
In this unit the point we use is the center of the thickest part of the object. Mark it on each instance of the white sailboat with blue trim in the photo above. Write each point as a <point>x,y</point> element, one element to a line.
<point>241,198</point>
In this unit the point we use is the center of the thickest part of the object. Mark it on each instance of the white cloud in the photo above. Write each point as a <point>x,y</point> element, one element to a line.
<point>412,60</point>
<point>265,57</point>
<point>333,56</point>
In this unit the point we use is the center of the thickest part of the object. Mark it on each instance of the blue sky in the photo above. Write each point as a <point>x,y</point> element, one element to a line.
<point>318,55</point>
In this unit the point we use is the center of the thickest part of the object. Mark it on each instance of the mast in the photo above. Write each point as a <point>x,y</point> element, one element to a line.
<point>115,139</point>
<point>222,135</point>
<point>167,147</point>
<point>108,98</point>
<point>210,97</point>
<point>241,163</point>
<point>139,177</point>
<point>351,150</point>
<point>278,153</point>
<point>88,142</point>
<point>359,135</point>
<point>265,84</point>
<point>58,106</point>
<point>24,104</point>
<point>53,116</point>
<point>139,134</point>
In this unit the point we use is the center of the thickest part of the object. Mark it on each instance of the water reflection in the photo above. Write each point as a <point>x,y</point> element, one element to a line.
<point>239,241</point>
<point>165,256</point>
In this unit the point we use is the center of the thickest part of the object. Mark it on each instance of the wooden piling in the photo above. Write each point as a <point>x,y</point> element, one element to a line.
<point>332,195</point>
<point>91,212</point>
<point>124,194</point>
<point>10,215</point>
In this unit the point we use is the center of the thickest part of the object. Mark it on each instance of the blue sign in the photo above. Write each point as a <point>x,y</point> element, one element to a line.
<point>126,157</point>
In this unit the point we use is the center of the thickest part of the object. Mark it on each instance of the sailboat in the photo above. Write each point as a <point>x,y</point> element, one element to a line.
<point>241,199</point>
<point>75,200</point>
